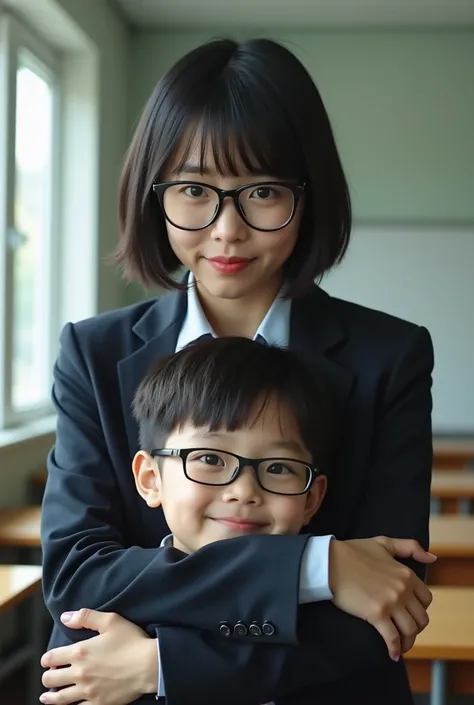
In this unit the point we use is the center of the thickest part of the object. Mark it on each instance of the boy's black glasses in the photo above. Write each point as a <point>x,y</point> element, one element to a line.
<point>208,466</point>
<point>265,206</point>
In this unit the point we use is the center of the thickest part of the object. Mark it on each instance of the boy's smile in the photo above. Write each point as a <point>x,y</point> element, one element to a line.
<point>240,524</point>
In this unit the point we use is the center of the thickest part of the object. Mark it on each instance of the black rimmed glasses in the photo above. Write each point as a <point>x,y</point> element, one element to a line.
<point>265,206</point>
<point>208,466</point>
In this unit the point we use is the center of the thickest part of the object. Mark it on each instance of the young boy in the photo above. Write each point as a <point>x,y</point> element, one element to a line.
<point>234,439</point>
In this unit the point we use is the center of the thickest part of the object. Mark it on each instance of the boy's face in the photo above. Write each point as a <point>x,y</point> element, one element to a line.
<point>200,514</point>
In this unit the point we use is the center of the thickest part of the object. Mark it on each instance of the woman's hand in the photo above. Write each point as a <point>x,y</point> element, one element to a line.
<point>115,668</point>
<point>367,582</point>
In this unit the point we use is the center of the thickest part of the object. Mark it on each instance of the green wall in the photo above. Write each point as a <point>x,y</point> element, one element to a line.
<point>111,38</point>
<point>401,104</point>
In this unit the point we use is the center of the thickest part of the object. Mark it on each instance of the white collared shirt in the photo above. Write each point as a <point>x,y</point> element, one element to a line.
<point>274,329</point>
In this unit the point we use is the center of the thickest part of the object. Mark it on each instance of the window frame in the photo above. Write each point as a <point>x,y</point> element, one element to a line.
<point>16,41</point>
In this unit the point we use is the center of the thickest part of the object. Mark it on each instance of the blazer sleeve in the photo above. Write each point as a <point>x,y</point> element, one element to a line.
<point>87,560</point>
<point>397,500</point>
<point>340,646</point>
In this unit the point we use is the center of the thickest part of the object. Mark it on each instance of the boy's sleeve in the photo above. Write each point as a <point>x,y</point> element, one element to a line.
<point>245,673</point>
<point>314,584</point>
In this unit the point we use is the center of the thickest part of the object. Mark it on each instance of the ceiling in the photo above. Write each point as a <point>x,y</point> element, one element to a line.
<point>308,14</point>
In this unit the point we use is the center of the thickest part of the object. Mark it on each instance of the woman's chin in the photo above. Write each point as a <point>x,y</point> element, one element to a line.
<point>225,286</point>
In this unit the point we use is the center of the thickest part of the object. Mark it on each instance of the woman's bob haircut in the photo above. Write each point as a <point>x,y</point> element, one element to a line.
<point>253,103</point>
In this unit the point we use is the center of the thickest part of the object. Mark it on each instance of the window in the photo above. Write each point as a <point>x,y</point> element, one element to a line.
<point>29,242</point>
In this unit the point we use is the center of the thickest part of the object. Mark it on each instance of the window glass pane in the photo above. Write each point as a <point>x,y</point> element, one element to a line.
<point>32,239</point>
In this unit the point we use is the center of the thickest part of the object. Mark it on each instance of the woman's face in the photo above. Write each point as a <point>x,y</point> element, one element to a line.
<point>258,257</point>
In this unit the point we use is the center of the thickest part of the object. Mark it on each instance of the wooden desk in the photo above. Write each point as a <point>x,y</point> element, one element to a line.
<point>19,583</point>
<point>449,637</point>
<point>452,540</point>
<point>20,527</point>
<point>452,452</point>
<point>452,491</point>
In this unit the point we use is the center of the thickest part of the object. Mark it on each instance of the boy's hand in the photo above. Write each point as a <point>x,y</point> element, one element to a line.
<point>368,583</point>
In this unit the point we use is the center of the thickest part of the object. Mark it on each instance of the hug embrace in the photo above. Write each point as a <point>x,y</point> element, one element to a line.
<point>237,501</point>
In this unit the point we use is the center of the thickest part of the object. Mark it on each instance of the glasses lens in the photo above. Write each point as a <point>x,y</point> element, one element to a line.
<point>190,206</point>
<point>267,207</point>
<point>213,467</point>
<point>284,476</point>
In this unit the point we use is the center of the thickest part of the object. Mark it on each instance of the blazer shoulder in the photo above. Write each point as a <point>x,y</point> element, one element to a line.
<point>111,330</point>
<point>379,342</point>
<point>371,324</point>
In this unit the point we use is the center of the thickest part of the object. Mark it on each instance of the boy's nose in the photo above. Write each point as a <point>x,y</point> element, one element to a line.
<point>244,489</point>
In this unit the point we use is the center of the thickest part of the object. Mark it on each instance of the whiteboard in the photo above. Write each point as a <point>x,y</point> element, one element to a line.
<point>424,274</point>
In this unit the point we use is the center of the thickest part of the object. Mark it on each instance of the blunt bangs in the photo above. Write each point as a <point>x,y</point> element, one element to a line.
<point>235,132</point>
<point>248,107</point>
<point>225,384</point>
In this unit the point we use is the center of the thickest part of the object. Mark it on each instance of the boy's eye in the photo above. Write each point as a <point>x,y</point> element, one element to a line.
<point>279,469</point>
<point>211,459</point>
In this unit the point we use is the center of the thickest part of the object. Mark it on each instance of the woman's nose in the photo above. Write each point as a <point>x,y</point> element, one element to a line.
<point>228,225</point>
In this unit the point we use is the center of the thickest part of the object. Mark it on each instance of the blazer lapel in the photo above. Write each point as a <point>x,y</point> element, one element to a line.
<point>156,336</point>
<point>316,334</point>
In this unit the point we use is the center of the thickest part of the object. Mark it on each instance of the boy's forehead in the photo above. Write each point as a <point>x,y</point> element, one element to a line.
<point>267,420</point>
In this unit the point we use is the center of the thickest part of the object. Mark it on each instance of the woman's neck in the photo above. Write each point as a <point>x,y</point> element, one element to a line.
<point>237,317</point>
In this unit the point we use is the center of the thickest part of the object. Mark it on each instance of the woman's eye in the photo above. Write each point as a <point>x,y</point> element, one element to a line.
<point>263,193</point>
<point>211,459</point>
<point>194,191</point>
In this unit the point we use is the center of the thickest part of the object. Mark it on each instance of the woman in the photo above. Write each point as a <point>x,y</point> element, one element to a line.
<point>233,173</point>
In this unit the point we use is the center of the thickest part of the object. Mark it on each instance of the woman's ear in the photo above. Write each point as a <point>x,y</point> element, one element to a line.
<point>147,478</point>
<point>314,498</point>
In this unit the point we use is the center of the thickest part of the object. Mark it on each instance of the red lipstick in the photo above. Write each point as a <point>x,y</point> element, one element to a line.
<point>229,265</point>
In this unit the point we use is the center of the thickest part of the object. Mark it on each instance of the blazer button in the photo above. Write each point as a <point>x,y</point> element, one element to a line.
<point>224,629</point>
<point>255,630</point>
<point>240,629</point>
<point>268,629</point>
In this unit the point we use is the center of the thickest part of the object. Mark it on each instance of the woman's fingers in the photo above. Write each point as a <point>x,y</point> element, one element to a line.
<point>406,548</point>
<point>62,655</point>
<point>406,626</point>
<point>419,614</point>
<point>66,696</point>
<point>423,594</point>
<point>391,636</point>
<point>57,678</point>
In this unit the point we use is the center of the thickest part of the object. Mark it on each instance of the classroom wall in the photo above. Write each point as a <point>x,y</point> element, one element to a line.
<point>402,107</point>
<point>424,274</point>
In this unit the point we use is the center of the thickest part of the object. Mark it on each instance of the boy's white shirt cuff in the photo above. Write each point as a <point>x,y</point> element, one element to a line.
<point>160,693</point>
<point>314,572</point>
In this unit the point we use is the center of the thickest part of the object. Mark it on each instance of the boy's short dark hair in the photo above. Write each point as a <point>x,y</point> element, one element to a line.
<point>216,382</point>
<point>256,99</point>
